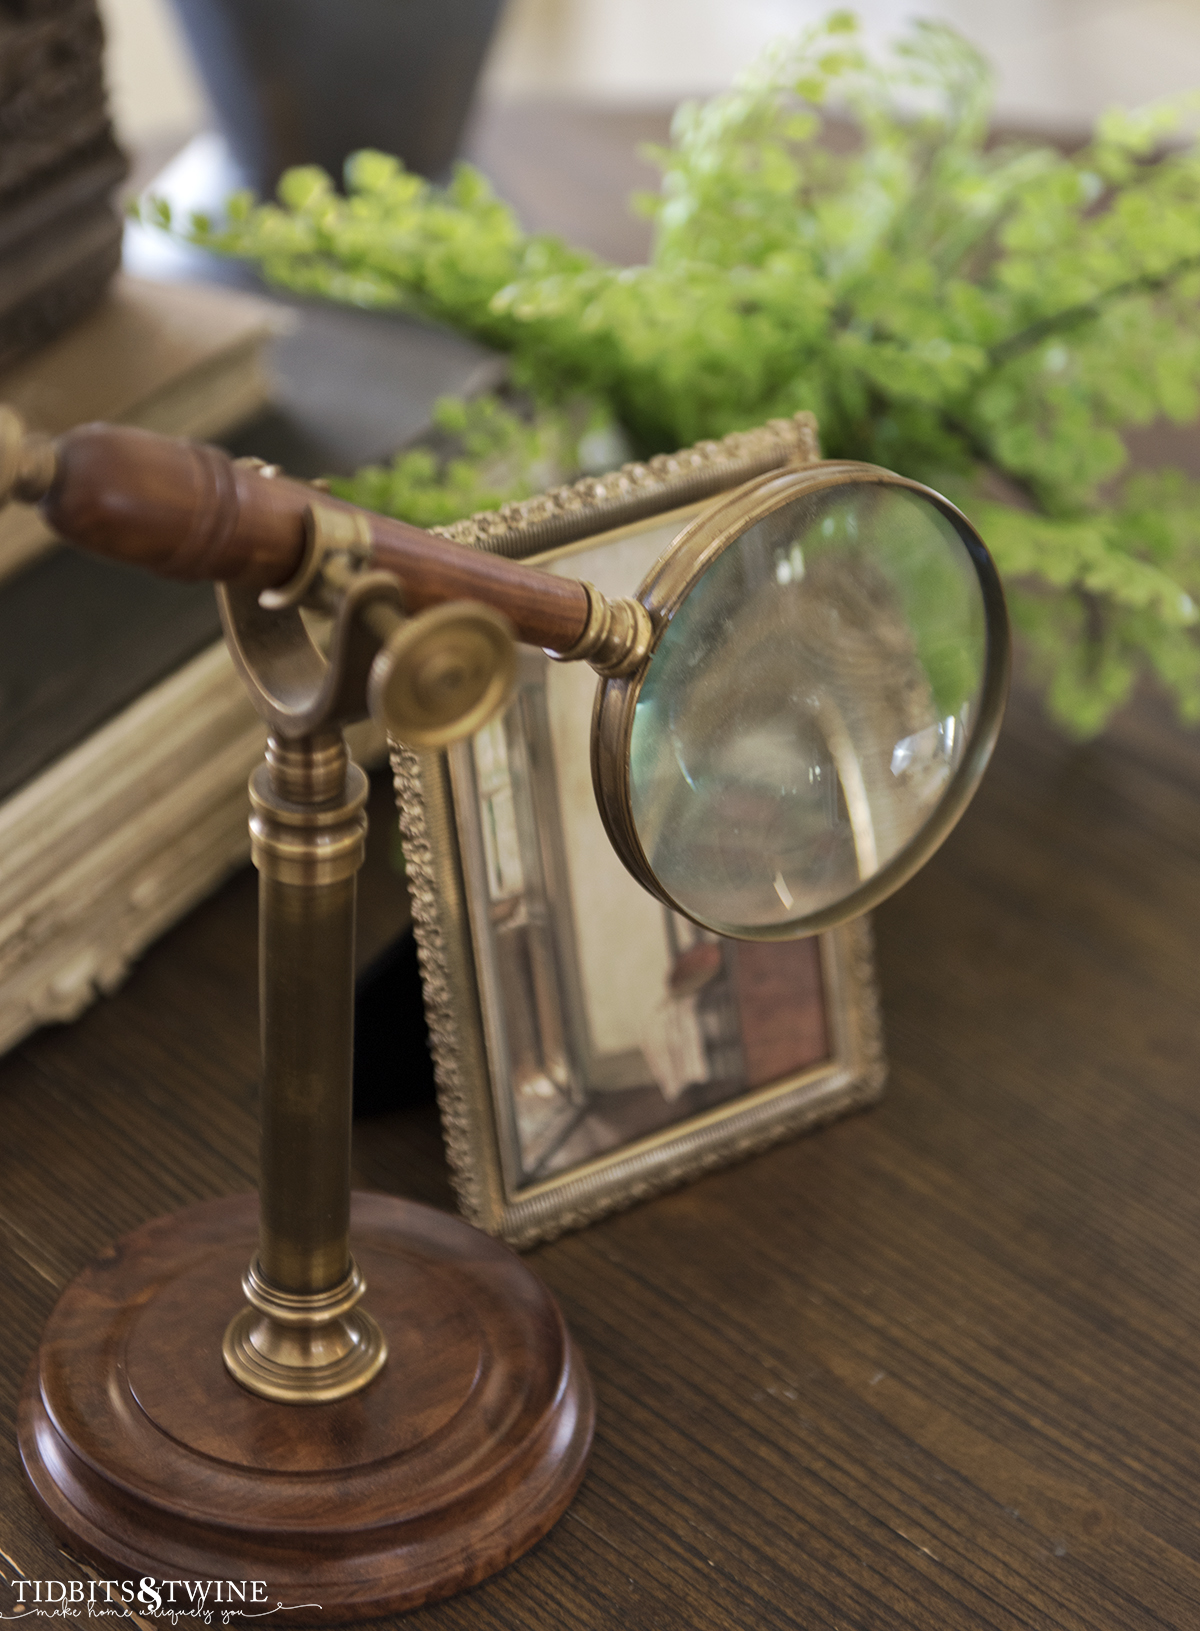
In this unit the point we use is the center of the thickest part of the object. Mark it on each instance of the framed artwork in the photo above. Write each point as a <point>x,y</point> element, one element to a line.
<point>591,1046</point>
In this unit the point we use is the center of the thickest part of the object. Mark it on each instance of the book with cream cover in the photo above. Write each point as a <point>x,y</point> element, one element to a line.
<point>126,738</point>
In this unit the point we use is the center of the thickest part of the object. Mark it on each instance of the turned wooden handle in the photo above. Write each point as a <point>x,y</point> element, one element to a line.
<point>545,611</point>
<point>177,508</point>
<point>188,511</point>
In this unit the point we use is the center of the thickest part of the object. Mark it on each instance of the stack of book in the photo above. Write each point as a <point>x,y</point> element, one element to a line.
<point>126,738</point>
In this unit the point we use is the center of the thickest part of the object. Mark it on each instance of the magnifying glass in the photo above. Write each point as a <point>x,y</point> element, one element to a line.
<point>792,711</point>
<point>794,708</point>
<point>821,693</point>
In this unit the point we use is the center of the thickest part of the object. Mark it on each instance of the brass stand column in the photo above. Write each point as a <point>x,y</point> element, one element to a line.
<point>302,1339</point>
<point>149,1455</point>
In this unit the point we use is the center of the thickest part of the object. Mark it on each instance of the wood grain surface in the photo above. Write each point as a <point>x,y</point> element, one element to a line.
<point>934,1368</point>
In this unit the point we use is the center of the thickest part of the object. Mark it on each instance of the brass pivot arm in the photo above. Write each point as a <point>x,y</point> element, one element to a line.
<point>188,511</point>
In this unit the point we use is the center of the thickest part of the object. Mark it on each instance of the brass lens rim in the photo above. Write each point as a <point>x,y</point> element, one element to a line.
<point>663,591</point>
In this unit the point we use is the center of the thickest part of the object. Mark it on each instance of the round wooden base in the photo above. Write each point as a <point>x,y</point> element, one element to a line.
<point>148,1459</point>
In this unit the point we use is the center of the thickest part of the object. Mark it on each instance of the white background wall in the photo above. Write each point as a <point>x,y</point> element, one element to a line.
<point>1060,62</point>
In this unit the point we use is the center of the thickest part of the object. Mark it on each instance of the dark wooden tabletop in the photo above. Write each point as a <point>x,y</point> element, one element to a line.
<point>935,1367</point>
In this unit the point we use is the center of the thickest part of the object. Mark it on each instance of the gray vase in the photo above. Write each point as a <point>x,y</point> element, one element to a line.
<point>312,81</point>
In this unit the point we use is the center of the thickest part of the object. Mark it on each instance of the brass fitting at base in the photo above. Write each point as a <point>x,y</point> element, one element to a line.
<point>303,1349</point>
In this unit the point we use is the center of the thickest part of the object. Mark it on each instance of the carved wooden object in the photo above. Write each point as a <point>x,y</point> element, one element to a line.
<point>60,237</point>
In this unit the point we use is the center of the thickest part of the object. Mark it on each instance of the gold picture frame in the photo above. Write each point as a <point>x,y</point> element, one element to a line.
<point>579,1072</point>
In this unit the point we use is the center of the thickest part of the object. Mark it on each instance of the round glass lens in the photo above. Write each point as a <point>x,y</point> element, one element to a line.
<point>807,705</point>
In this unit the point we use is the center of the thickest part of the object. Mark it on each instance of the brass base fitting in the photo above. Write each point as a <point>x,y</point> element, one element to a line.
<point>307,1349</point>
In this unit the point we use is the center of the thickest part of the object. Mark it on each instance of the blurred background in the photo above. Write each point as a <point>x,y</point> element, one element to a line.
<point>1059,62</point>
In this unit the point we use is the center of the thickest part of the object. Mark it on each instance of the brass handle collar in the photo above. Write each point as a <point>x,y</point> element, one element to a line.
<point>28,462</point>
<point>337,545</point>
<point>615,638</point>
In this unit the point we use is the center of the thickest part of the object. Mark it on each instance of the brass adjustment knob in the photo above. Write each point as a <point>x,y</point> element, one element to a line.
<point>443,674</point>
